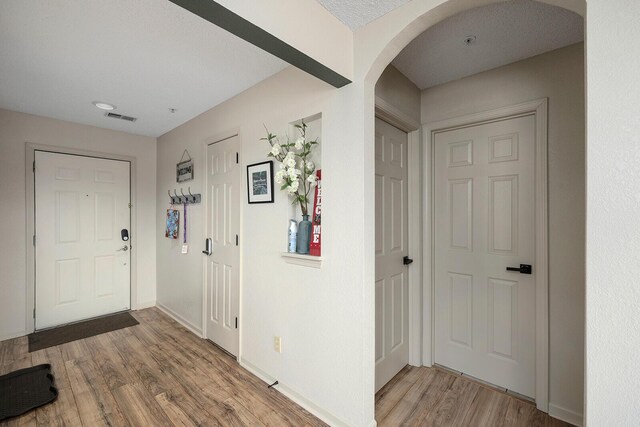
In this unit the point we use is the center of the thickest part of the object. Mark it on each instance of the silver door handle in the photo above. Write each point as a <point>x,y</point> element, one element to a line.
<point>124,248</point>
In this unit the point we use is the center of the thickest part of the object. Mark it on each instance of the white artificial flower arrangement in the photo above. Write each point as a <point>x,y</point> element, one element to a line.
<point>296,175</point>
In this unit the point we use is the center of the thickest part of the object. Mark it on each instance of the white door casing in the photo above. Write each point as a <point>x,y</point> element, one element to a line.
<point>222,271</point>
<point>391,242</point>
<point>484,200</point>
<point>82,267</point>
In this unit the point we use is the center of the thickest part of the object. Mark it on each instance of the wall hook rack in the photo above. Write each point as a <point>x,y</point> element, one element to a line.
<point>182,199</point>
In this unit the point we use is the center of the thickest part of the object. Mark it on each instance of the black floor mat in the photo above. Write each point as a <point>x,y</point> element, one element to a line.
<point>80,330</point>
<point>26,389</point>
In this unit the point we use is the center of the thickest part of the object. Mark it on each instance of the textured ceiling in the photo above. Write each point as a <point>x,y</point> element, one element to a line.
<point>144,56</point>
<point>358,13</point>
<point>506,32</point>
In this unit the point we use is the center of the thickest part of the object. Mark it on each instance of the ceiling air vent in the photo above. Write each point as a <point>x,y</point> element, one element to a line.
<point>121,117</point>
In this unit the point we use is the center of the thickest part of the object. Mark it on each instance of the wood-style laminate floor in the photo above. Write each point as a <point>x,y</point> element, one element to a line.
<point>156,373</point>
<point>435,397</point>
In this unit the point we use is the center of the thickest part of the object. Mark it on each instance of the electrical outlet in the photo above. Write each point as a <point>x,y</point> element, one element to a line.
<point>277,344</point>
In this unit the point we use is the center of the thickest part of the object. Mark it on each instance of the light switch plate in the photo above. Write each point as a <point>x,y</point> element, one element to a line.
<point>185,249</point>
<point>277,344</point>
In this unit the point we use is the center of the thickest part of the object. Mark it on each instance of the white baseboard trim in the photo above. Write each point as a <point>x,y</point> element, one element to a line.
<point>13,335</point>
<point>143,305</point>
<point>184,322</point>
<point>566,415</point>
<point>316,410</point>
<point>374,423</point>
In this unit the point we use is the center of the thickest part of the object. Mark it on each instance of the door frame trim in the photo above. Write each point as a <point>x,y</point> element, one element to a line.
<point>539,109</point>
<point>390,114</point>
<point>30,194</point>
<point>219,137</point>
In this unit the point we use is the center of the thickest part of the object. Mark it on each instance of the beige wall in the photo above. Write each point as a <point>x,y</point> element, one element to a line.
<point>613,203</point>
<point>396,89</point>
<point>317,312</point>
<point>558,75</point>
<point>16,129</point>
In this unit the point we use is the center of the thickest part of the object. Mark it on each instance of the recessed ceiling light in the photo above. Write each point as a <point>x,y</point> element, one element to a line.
<point>104,106</point>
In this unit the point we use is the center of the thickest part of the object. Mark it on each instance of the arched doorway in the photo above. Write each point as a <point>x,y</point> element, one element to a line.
<point>395,43</point>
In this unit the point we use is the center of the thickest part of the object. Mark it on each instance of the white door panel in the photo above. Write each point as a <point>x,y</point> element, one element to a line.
<point>391,286</point>
<point>223,224</point>
<point>82,204</point>
<point>484,222</point>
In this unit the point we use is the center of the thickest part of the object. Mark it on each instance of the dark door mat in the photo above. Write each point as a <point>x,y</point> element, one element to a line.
<point>26,389</point>
<point>80,330</point>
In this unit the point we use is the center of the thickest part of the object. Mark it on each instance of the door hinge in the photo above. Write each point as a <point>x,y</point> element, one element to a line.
<point>237,158</point>
<point>130,205</point>
<point>236,323</point>
<point>34,312</point>
<point>236,240</point>
<point>34,240</point>
<point>34,165</point>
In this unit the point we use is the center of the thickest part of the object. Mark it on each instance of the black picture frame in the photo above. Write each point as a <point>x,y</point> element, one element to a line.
<point>260,182</point>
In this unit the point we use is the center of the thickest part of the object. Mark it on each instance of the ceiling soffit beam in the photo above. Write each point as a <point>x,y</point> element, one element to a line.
<point>237,25</point>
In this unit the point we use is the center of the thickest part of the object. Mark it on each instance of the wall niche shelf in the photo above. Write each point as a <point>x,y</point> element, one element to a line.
<point>314,131</point>
<point>303,260</point>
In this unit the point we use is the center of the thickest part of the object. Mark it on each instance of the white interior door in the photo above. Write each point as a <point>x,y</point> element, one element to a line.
<point>484,223</point>
<point>223,224</point>
<point>82,263</point>
<point>392,292</point>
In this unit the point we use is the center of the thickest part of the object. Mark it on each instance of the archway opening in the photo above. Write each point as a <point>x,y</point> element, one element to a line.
<point>480,65</point>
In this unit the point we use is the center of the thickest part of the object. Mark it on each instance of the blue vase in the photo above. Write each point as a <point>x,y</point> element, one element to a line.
<point>304,235</point>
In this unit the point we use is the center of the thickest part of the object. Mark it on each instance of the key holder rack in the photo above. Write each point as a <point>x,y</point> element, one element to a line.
<point>181,199</point>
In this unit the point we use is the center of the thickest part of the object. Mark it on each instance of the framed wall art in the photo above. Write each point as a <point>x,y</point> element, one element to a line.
<point>260,182</point>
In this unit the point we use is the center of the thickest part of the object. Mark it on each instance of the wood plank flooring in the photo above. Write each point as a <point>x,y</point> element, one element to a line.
<point>156,373</point>
<point>434,397</point>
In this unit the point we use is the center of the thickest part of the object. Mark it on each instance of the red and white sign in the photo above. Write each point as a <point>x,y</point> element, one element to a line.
<point>314,245</point>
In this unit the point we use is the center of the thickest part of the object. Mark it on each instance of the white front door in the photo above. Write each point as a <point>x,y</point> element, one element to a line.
<point>392,291</point>
<point>484,223</point>
<point>82,263</point>
<point>223,224</point>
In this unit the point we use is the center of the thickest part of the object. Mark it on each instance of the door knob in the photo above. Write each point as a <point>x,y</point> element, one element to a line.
<point>406,260</point>
<point>523,269</point>
<point>124,248</point>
